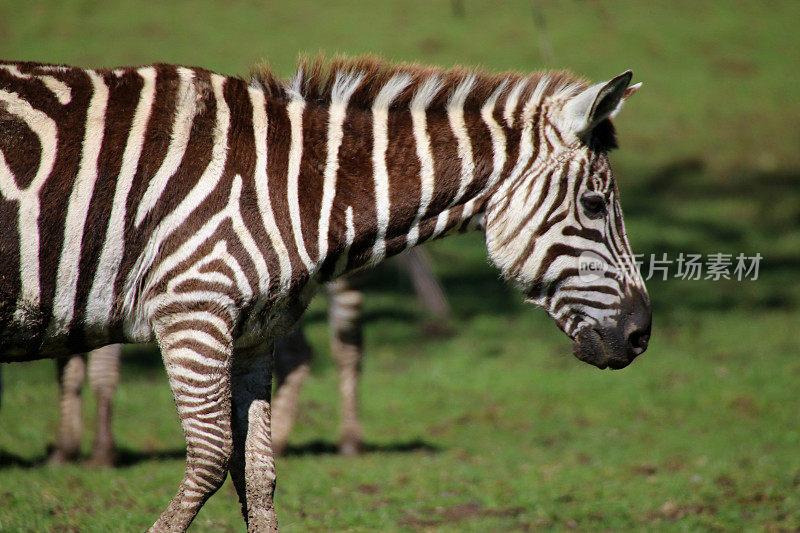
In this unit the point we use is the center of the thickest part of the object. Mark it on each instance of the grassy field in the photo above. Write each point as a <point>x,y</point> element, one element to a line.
<point>496,427</point>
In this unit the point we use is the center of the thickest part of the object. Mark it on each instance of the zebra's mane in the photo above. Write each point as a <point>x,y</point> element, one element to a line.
<point>319,80</point>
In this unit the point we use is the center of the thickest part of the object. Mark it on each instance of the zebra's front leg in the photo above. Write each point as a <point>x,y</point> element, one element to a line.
<point>71,374</point>
<point>103,378</point>
<point>197,355</point>
<point>253,465</point>
<point>345,298</point>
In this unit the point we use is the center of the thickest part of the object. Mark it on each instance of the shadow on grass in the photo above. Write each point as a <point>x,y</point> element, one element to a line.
<point>322,447</point>
<point>748,212</point>
<point>11,460</point>
<point>124,458</point>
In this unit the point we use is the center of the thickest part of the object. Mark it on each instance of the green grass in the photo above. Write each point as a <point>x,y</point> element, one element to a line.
<point>497,427</point>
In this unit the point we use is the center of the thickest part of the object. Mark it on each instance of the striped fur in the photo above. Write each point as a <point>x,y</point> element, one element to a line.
<point>202,211</point>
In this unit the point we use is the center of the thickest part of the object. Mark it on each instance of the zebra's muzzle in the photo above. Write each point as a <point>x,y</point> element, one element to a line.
<point>614,346</point>
<point>591,347</point>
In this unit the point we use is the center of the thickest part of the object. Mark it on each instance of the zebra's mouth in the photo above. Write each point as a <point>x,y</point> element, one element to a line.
<point>599,350</point>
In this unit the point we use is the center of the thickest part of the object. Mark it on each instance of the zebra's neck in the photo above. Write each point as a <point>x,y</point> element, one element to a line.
<point>367,182</point>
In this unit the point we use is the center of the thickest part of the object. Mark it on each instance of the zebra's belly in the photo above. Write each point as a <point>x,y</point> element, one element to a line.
<point>27,334</point>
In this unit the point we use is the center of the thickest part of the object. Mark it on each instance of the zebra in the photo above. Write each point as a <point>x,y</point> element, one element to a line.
<point>202,211</point>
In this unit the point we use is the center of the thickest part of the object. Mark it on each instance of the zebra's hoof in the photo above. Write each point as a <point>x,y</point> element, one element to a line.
<point>59,457</point>
<point>349,448</point>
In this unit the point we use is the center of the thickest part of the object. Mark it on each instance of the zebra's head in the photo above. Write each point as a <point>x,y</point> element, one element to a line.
<point>555,227</point>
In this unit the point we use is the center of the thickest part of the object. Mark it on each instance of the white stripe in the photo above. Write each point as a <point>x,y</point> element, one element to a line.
<point>419,121</point>
<point>61,90</point>
<point>262,186</point>
<point>441,223</point>
<point>54,68</point>
<point>511,102</point>
<point>295,110</point>
<point>100,301</point>
<point>476,221</point>
<point>343,88</point>
<point>78,208</point>
<point>205,277</point>
<point>380,126</point>
<point>205,185</point>
<point>28,223</point>
<point>536,98</point>
<point>185,112</point>
<point>350,236</point>
<point>351,229</point>
<point>497,135</point>
<point>455,115</point>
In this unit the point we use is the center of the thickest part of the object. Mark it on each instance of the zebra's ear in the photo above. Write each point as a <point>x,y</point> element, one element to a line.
<point>583,112</point>
<point>628,92</point>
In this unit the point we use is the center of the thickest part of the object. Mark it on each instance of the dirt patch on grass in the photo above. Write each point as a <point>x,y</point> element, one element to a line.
<point>644,470</point>
<point>456,513</point>
<point>369,488</point>
<point>672,511</point>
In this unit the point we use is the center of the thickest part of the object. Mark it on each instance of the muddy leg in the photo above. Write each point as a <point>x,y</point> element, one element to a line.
<point>252,464</point>
<point>197,350</point>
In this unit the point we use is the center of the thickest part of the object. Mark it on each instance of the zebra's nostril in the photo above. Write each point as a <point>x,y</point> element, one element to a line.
<point>638,340</point>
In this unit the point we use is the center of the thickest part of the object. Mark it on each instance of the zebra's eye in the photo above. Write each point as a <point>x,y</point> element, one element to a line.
<point>594,205</point>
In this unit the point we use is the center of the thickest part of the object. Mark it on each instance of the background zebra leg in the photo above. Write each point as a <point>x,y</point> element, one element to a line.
<point>198,368</point>
<point>71,373</point>
<point>344,309</point>
<point>253,465</point>
<point>103,378</point>
<point>293,357</point>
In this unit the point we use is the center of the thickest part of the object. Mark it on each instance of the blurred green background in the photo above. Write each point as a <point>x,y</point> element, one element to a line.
<point>497,427</point>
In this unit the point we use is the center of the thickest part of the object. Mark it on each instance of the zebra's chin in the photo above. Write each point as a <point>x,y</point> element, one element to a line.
<point>591,346</point>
